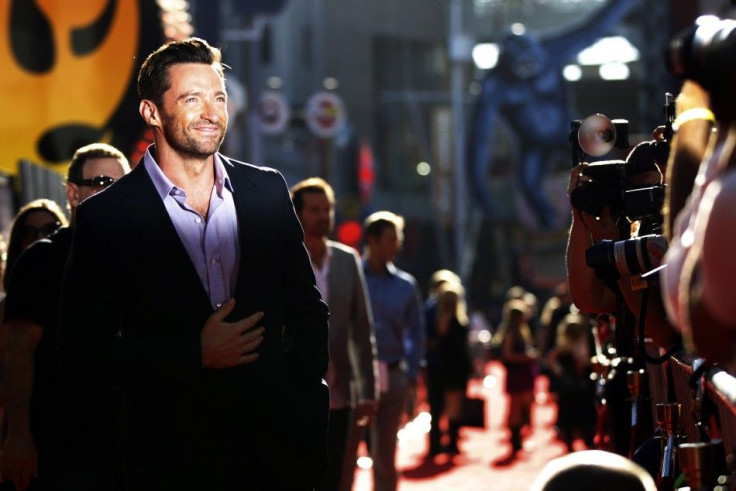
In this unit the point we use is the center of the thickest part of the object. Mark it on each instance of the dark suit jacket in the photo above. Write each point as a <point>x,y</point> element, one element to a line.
<point>132,310</point>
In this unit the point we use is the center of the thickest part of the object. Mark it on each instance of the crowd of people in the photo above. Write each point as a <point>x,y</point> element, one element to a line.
<point>194,314</point>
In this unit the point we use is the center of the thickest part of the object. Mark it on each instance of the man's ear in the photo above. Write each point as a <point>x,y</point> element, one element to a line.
<point>72,195</point>
<point>149,113</point>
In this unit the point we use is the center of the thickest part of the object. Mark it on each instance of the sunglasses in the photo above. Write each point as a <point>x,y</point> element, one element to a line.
<point>43,231</point>
<point>95,182</point>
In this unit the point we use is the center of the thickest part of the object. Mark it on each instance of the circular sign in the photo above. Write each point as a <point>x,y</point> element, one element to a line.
<point>273,112</point>
<point>326,114</point>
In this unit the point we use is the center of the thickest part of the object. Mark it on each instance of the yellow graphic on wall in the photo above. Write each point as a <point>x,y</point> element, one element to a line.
<point>65,69</point>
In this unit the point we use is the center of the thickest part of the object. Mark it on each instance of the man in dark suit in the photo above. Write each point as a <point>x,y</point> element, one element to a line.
<point>189,285</point>
<point>353,364</point>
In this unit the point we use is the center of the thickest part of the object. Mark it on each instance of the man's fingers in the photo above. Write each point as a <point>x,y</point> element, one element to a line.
<point>251,342</point>
<point>23,478</point>
<point>20,473</point>
<point>248,322</point>
<point>253,335</point>
<point>249,358</point>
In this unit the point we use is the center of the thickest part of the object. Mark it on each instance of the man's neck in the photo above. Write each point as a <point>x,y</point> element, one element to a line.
<point>376,265</point>
<point>194,175</point>
<point>317,248</point>
<point>187,172</point>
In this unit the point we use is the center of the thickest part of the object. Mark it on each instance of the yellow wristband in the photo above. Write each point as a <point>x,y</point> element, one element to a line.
<point>700,113</point>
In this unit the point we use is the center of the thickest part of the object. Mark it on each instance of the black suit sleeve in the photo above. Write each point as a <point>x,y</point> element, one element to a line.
<point>306,353</point>
<point>92,345</point>
<point>306,315</point>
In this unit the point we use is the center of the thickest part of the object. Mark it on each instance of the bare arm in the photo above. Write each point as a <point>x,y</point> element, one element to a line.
<point>588,292</point>
<point>19,461</point>
<point>689,145</point>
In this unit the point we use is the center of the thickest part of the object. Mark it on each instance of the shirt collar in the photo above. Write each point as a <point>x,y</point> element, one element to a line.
<point>390,270</point>
<point>222,180</point>
<point>325,261</point>
<point>163,184</point>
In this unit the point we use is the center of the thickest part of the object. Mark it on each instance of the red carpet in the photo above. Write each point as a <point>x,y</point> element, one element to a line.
<point>481,464</point>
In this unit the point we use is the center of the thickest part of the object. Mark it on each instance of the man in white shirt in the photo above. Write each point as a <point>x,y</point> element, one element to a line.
<point>352,347</point>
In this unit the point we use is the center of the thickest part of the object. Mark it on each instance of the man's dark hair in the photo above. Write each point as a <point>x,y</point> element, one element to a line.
<point>153,77</point>
<point>92,151</point>
<point>377,222</point>
<point>311,185</point>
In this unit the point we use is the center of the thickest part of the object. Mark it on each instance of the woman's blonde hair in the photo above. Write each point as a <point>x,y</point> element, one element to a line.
<point>451,298</point>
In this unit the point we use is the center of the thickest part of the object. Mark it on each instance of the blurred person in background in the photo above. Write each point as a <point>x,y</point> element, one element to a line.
<point>35,220</point>
<point>45,436</point>
<point>554,310</point>
<point>352,345</point>
<point>518,292</point>
<point>433,368</point>
<point>570,364</point>
<point>448,361</point>
<point>400,333</point>
<point>515,342</point>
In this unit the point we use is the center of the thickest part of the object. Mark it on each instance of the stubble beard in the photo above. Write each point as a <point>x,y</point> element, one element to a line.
<point>184,143</point>
<point>323,228</point>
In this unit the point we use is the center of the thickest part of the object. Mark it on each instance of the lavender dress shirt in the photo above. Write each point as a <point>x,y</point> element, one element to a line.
<point>212,241</point>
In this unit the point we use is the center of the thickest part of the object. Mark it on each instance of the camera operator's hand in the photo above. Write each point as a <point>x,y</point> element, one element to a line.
<point>576,179</point>
<point>600,228</point>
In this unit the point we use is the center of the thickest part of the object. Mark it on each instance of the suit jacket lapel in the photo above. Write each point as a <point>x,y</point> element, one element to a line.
<point>158,235</point>
<point>333,282</point>
<point>245,197</point>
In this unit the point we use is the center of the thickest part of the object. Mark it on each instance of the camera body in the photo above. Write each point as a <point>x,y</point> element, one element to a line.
<point>622,186</point>
<point>643,203</point>
<point>605,188</point>
<point>609,187</point>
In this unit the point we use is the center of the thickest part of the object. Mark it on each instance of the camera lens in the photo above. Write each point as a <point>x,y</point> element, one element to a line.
<point>600,257</point>
<point>624,257</point>
<point>632,256</point>
<point>704,53</point>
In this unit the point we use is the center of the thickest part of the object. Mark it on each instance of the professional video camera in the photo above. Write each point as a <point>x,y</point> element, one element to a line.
<point>632,188</point>
<point>704,53</point>
<point>610,259</point>
<point>614,183</point>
